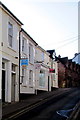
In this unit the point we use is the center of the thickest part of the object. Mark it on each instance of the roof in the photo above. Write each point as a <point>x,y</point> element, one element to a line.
<point>51,53</point>
<point>34,41</point>
<point>43,50</point>
<point>76,58</point>
<point>63,60</point>
<point>77,54</point>
<point>10,12</point>
<point>28,36</point>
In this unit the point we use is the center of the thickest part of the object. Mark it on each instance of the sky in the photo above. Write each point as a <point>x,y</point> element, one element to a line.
<point>53,24</point>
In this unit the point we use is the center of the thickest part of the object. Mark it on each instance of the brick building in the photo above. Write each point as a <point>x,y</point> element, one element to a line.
<point>68,73</point>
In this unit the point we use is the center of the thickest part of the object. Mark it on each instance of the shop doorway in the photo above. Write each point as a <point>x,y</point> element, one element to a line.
<point>13,87</point>
<point>3,86</point>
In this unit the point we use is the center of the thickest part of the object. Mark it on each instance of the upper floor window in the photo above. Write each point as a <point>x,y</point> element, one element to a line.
<point>42,55</point>
<point>24,45</point>
<point>10,34</point>
<point>30,53</point>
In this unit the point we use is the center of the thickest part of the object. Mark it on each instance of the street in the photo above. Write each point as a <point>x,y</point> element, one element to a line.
<point>54,108</point>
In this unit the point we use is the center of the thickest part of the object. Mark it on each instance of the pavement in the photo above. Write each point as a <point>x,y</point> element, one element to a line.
<point>9,109</point>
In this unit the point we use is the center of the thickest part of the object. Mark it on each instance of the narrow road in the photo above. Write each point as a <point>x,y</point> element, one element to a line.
<point>54,108</point>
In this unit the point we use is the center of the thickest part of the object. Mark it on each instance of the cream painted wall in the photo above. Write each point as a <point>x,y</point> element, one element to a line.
<point>10,52</point>
<point>25,87</point>
<point>55,75</point>
<point>44,66</point>
<point>9,55</point>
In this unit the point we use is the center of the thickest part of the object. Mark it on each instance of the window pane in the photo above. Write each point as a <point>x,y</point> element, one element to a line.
<point>42,78</point>
<point>42,56</point>
<point>30,77</point>
<point>3,65</point>
<point>10,29</point>
<point>10,40</point>
<point>23,44</point>
<point>30,53</point>
<point>10,33</point>
<point>13,67</point>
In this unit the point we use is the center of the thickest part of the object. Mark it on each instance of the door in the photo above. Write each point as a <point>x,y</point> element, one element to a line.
<point>48,83</point>
<point>3,86</point>
<point>13,88</point>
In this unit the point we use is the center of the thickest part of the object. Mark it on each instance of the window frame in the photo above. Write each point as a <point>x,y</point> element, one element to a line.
<point>31,53</point>
<point>10,34</point>
<point>30,77</point>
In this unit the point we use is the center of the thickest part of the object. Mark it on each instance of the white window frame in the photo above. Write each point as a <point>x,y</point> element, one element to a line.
<point>10,35</point>
<point>23,75</point>
<point>31,54</point>
<point>3,68</point>
<point>42,78</point>
<point>24,45</point>
<point>42,56</point>
<point>30,77</point>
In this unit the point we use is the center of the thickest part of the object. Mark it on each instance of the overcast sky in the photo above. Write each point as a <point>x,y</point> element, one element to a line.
<point>53,25</point>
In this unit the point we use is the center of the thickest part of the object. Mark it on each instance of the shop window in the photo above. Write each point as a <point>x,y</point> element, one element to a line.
<point>42,78</point>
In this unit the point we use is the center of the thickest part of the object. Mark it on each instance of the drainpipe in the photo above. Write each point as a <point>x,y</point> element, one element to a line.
<point>19,59</point>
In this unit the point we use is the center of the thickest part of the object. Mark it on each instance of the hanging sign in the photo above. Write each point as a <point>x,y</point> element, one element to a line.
<point>51,70</point>
<point>37,66</point>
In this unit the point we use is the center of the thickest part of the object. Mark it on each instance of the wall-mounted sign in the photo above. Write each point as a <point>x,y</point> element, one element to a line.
<point>24,62</point>
<point>52,70</point>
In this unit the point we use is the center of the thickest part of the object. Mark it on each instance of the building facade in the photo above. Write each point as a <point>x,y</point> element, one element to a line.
<point>68,73</point>
<point>42,65</point>
<point>53,69</point>
<point>79,27</point>
<point>10,27</point>
<point>54,75</point>
<point>27,74</point>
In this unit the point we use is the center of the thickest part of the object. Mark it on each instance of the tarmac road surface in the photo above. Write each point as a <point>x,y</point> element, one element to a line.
<point>56,108</point>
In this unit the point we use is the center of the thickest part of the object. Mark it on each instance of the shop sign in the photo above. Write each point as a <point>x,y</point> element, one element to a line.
<point>24,62</point>
<point>52,70</point>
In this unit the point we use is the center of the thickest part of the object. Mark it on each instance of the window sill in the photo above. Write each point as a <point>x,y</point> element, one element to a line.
<point>24,85</point>
<point>31,63</point>
<point>30,86</point>
<point>12,49</point>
